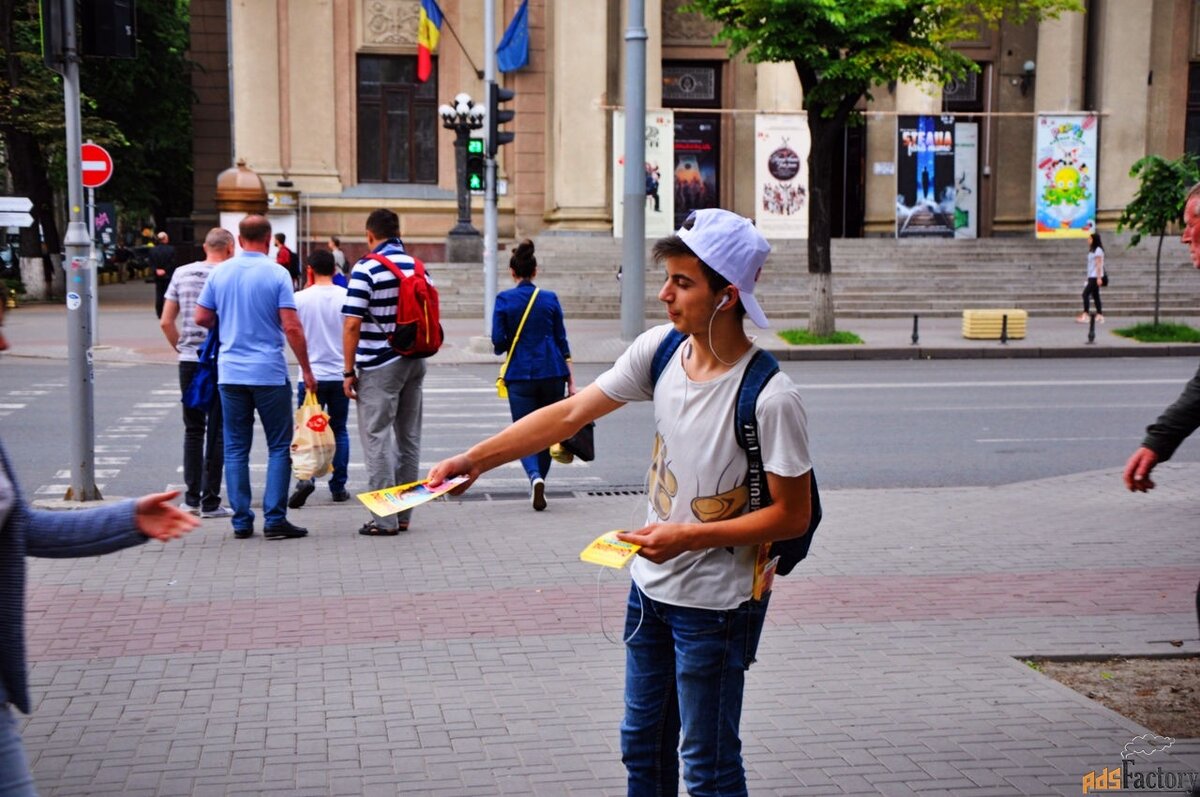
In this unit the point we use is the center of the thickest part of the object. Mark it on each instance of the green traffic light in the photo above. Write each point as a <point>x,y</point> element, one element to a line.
<point>474,146</point>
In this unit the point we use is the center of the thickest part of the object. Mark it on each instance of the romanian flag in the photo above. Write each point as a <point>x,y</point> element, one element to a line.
<point>428,32</point>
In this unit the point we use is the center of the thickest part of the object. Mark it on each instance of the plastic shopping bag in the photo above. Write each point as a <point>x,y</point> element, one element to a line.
<point>312,440</point>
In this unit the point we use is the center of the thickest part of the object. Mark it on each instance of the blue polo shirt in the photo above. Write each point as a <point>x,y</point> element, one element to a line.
<point>247,292</point>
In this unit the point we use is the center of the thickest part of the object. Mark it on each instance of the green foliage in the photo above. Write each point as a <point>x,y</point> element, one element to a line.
<point>1165,332</point>
<point>840,49</point>
<point>148,101</point>
<point>1162,189</point>
<point>802,337</point>
<point>139,109</point>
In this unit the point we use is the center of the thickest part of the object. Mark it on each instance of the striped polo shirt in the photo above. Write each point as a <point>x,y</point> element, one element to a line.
<point>374,286</point>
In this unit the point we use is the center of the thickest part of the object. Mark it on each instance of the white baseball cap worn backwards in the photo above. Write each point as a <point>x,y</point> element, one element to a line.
<point>731,246</point>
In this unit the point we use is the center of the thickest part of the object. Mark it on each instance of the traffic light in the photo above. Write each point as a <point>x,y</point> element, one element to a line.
<point>475,164</point>
<point>496,117</point>
<point>110,28</point>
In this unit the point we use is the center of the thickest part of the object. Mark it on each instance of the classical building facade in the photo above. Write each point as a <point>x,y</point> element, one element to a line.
<point>320,98</point>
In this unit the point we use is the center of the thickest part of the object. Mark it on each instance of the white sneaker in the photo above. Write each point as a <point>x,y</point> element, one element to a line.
<point>191,510</point>
<point>221,511</point>
<point>537,494</point>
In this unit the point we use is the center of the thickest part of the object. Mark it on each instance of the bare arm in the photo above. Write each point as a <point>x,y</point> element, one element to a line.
<point>167,322</point>
<point>204,317</point>
<point>532,433</point>
<point>786,517</point>
<point>294,332</point>
<point>351,327</point>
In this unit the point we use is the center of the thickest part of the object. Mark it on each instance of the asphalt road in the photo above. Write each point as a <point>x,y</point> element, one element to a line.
<point>871,424</point>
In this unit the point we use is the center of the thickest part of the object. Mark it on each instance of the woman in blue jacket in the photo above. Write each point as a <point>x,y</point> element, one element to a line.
<point>57,535</point>
<point>539,370</point>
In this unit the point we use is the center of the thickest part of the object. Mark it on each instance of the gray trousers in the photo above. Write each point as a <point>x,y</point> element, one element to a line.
<point>389,426</point>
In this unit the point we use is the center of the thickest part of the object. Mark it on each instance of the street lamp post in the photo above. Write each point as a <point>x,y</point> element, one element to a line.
<point>463,243</point>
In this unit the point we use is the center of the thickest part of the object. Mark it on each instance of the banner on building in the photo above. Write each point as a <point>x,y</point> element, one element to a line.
<point>1065,176</point>
<point>781,145</point>
<point>659,173</point>
<point>925,177</point>
<point>966,180</point>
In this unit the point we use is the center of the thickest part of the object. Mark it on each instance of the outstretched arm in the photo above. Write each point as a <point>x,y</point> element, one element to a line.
<point>531,434</point>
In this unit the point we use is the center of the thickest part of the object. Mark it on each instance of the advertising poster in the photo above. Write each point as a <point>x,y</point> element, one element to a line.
<point>925,177</point>
<point>659,179</point>
<point>697,163</point>
<point>966,180</point>
<point>1065,176</point>
<point>781,146</point>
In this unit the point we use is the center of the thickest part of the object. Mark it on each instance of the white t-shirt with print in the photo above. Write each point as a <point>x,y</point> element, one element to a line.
<point>320,310</point>
<point>698,470</point>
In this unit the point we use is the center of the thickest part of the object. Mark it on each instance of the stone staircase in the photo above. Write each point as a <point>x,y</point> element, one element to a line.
<point>872,277</point>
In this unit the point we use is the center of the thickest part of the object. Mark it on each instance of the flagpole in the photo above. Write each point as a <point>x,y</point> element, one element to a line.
<point>490,219</point>
<point>463,49</point>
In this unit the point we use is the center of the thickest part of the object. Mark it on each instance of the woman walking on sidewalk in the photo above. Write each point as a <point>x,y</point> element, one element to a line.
<point>527,324</point>
<point>1095,278</point>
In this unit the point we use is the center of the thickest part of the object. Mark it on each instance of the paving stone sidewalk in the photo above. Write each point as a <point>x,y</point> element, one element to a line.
<point>470,656</point>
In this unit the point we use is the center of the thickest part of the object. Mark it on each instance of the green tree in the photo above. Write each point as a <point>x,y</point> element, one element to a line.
<point>1159,202</point>
<point>840,50</point>
<point>139,109</point>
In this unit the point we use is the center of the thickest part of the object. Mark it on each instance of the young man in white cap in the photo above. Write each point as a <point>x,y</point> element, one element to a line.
<point>692,625</point>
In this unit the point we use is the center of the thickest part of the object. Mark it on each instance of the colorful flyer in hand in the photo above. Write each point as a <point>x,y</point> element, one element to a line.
<point>607,550</point>
<point>406,496</point>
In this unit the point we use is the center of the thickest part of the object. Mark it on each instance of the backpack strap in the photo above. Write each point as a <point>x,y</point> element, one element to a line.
<point>662,355</point>
<point>762,368</point>
<point>418,271</point>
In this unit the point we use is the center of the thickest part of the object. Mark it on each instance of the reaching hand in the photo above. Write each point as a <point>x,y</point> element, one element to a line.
<point>459,465</point>
<point>1137,470</point>
<point>158,518</point>
<point>660,541</point>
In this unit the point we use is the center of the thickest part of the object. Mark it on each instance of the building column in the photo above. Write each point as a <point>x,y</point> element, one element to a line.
<point>1058,81</point>
<point>1124,35</point>
<point>578,155</point>
<point>779,87</point>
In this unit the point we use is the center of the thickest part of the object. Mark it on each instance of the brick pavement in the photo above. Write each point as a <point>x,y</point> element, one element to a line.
<point>468,656</point>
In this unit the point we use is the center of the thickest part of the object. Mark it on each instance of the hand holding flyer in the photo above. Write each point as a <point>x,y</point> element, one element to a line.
<point>607,550</point>
<point>405,496</point>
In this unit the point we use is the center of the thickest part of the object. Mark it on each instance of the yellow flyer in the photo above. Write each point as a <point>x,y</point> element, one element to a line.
<point>405,496</point>
<point>607,550</point>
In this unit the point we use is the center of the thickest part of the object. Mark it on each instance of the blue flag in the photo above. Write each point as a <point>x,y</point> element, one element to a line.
<point>513,52</point>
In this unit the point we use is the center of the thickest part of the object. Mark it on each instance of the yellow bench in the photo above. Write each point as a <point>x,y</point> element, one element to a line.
<point>985,324</point>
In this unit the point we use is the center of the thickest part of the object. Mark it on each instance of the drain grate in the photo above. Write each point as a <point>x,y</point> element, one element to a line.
<point>613,492</point>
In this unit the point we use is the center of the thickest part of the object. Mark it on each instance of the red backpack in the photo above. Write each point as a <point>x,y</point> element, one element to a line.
<point>418,329</point>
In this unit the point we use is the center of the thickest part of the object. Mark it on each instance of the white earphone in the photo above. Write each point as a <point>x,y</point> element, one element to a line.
<point>724,301</point>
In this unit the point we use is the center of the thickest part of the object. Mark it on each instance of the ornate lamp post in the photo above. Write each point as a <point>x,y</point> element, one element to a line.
<point>464,243</point>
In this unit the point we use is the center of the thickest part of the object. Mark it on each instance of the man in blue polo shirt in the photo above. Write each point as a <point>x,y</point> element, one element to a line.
<point>253,299</point>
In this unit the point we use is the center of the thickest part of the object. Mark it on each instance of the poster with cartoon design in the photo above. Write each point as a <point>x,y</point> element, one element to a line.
<point>781,146</point>
<point>659,197</point>
<point>1065,176</point>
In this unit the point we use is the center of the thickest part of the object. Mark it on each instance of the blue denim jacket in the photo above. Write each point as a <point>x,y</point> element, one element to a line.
<point>542,351</point>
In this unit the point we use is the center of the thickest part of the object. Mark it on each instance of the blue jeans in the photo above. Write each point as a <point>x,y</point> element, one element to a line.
<point>334,401</point>
<point>525,398</point>
<point>684,677</point>
<point>15,777</point>
<point>274,405</point>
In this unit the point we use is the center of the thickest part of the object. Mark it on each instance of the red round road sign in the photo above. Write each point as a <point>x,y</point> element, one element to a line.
<point>97,165</point>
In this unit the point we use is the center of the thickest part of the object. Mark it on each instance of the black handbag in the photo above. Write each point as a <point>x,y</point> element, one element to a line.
<point>583,443</point>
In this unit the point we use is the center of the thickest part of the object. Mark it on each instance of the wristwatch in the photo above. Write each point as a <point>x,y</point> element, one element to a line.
<point>348,374</point>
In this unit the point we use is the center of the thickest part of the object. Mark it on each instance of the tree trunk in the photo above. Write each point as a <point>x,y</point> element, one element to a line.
<point>1158,275</point>
<point>820,189</point>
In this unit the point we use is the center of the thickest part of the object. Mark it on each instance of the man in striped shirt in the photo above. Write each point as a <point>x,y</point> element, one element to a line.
<point>386,385</point>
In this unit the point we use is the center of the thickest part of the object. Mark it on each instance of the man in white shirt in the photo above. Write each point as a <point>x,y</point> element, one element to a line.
<point>319,307</point>
<point>692,624</point>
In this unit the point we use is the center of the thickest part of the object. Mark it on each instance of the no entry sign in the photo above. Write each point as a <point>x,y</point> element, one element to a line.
<point>97,165</point>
